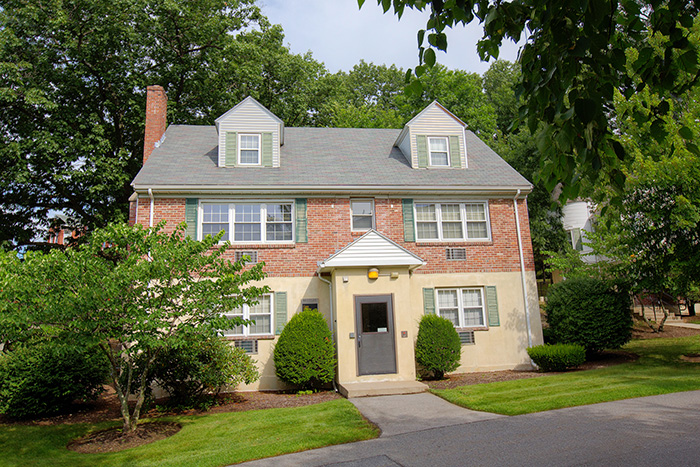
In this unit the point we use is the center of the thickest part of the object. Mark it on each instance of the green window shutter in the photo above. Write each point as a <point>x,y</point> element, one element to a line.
<point>455,156</point>
<point>231,157</point>
<point>409,234</point>
<point>280,311</point>
<point>301,228</point>
<point>191,217</point>
<point>267,149</point>
<point>429,301</point>
<point>492,306</point>
<point>422,150</point>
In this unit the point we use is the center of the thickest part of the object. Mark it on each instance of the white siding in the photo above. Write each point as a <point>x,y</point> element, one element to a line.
<point>576,215</point>
<point>372,249</point>
<point>249,118</point>
<point>580,215</point>
<point>433,121</point>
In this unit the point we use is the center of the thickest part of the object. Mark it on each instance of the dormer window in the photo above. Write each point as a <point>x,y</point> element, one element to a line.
<point>437,149</point>
<point>249,149</point>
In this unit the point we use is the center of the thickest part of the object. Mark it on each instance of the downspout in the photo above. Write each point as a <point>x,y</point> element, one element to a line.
<point>330,305</point>
<point>522,269</point>
<point>330,302</point>
<point>150,195</point>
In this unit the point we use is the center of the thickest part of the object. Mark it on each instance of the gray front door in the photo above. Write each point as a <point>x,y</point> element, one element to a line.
<point>374,321</point>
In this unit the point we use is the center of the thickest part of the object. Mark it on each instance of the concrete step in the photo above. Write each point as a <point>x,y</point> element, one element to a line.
<point>381,388</point>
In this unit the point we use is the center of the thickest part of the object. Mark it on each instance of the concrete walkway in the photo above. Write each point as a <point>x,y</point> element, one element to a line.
<point>650,431</point>
<point>681,324</point>
<point>395,415</point>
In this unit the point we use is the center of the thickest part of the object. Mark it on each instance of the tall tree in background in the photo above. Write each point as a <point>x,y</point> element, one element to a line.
<point>517,147</point>
<point>573,63</point>
<point>73,76</point>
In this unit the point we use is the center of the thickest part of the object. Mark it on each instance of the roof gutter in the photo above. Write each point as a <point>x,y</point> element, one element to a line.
<point>336,190</point>
<point>522,269</point>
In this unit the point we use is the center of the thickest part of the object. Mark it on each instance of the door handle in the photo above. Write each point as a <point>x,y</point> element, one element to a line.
<point>359,340</point>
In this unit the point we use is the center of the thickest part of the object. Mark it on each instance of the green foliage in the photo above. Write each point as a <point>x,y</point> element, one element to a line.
<point>129,290</point>
<point>209,440</point>
<point>304,354</point>
<point>74,80</point>
<point>200,366</point>
<point>557,357</point>
<point>659,370</point>
<point>569,46</point>
<point>589,312</point>
<point>438,349</point>
<point>47,377</point>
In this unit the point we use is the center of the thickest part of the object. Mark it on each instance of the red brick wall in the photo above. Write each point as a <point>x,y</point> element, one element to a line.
<point>329,230</point>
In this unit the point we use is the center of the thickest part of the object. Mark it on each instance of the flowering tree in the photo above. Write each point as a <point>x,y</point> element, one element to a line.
<point>131,291</point>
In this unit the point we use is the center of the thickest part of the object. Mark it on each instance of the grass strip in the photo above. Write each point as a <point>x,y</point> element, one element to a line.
<point>207,440</point>
<point>659,370</point>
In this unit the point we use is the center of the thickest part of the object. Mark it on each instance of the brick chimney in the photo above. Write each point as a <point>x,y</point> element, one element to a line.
<point>156,118</point>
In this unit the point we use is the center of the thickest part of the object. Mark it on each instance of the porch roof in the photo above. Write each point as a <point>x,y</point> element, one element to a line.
<point>371,249</point>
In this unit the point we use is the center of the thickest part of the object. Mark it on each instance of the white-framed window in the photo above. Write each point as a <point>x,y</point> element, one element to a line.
<point>362,214</point>
<point>449,221</point>
<point>438,152</point>
<point>249,149</point>
<point>576,239</point>
<point>464,307</point>
<point>261,313</point>
<point>249,222</point>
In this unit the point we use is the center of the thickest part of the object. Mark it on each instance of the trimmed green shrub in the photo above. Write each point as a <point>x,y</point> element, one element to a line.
<point>438,349</point>
<point>201,367</point>
<point>557,357</point>
<point>589,312</point>
<point>47,377</point>
<point>304,354</point>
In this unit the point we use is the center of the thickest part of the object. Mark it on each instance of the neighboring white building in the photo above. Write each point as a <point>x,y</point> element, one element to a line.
<point>578,217</point>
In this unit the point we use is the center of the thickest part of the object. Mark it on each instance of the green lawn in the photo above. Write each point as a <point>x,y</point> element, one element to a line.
<point>659,370</point>
<point>209,440</point>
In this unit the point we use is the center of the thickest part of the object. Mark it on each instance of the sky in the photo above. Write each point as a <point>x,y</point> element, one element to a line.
<point>340,34</point>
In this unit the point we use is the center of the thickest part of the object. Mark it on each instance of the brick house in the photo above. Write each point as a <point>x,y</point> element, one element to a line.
<point>374,227</point>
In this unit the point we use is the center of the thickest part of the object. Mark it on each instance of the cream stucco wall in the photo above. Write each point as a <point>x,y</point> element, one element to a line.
<point>297,288</point>
<point>496,348</point>
<point>351,282</point>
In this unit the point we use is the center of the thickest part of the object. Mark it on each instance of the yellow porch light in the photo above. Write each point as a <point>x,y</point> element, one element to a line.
<point>373,273</point>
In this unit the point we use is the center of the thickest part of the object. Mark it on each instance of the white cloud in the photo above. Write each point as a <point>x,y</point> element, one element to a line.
<point>339,34</point>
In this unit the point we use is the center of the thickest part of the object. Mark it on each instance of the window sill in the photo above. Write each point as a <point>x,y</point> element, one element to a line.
<point>459,243</point>
<point>247,338</point>
<point>260,246</point>
<point>480,328</point>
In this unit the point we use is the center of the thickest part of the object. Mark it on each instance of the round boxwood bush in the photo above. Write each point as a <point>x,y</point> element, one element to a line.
<point>589,312</point>
<point>438,349</point>
<point>47,377</point>
<point>557,357</point>
<point>304,354</point>
<point>199,367</point>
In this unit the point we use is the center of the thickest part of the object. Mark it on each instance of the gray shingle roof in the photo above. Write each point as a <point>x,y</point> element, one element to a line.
<point>318,157</point>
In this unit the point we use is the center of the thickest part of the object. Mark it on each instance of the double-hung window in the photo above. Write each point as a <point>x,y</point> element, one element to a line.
<point>437,149</point>
<point>452,221</point>
<point>249,222</point>
<point>261,313</point>
<point>464,307</point>
<point>362,214</point>
<point>248,149</point>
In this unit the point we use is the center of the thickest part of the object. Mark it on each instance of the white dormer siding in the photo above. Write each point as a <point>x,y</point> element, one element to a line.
<point>249,117</point>
<point>433,122</point>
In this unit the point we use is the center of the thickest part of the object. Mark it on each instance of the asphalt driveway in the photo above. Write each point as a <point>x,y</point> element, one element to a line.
<point>656,430</point>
